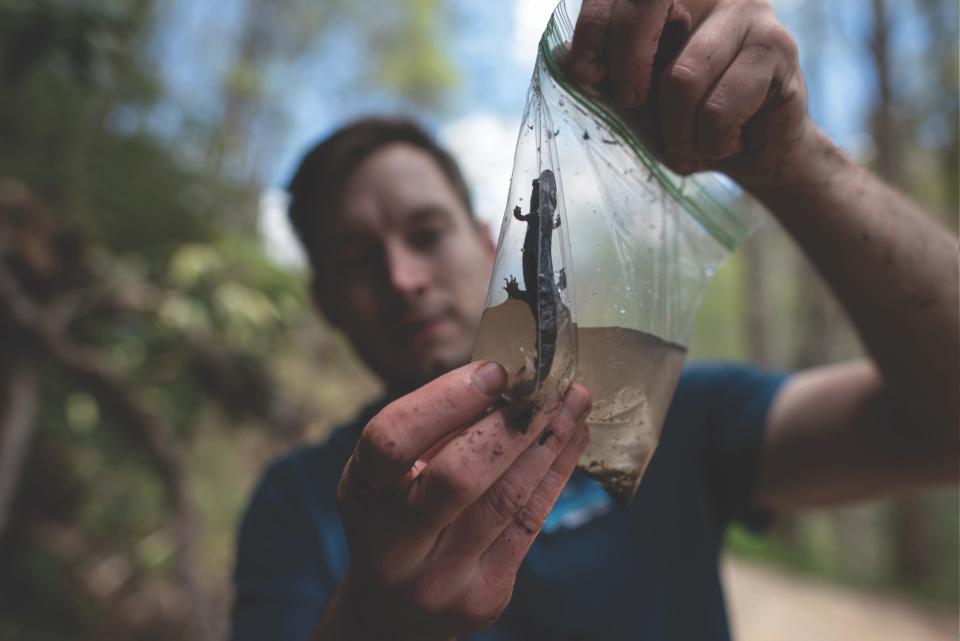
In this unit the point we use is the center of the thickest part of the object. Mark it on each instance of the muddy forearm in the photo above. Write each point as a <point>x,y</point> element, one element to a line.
<point>894,268</point>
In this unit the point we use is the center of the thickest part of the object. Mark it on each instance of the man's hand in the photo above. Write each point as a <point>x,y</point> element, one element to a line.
<point>719,79</point>
<point>717,84</point>
<point>441,500</point>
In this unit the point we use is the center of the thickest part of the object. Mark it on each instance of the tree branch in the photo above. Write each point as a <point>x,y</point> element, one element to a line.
<point>16,428</point>
<point>91,369</point>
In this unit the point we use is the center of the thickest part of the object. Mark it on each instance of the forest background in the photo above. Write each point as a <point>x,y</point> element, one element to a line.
<point>157,348</point>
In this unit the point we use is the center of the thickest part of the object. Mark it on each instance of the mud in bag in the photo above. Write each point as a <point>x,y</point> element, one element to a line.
<point>602,261</point>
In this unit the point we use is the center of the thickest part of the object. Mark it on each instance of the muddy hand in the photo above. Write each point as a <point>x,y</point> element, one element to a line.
<point>441,500</point>
<point>720,79</point>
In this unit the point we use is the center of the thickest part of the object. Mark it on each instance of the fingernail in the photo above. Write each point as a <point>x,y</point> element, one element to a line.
<point>490,378</point>
<point>575,405</point>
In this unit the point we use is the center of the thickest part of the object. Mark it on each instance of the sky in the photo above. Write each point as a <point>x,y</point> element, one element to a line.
<point>493,46</point>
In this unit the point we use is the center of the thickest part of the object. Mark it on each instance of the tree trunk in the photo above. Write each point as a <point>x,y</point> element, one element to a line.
<point>16,428</point>
<point>912,536</point>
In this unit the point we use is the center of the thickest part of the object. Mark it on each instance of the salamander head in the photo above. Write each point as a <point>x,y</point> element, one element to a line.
<point>548,188</point>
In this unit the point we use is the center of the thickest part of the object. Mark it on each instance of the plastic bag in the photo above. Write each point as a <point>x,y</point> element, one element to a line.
<point>601,264</point>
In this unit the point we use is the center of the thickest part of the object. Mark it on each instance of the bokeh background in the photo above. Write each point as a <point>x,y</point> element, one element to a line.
<point>157,348</point>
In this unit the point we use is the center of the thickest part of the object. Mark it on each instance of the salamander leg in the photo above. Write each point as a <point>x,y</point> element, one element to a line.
<point>519,216</point>
<point>513,289</point>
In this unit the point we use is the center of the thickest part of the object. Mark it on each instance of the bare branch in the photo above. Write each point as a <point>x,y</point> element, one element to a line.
<point>16,428</point>
<point>91,369</point>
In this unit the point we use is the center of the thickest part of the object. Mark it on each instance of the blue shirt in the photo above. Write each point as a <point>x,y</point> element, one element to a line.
<point>596,571</point>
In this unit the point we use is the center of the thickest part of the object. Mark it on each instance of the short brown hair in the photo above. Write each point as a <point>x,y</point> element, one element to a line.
<point>318,181</point>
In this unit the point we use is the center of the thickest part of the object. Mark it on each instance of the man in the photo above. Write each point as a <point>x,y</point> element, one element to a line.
<point>421,520</point>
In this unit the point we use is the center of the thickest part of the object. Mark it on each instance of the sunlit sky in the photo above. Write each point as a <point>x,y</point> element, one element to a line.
<point>493,46</point>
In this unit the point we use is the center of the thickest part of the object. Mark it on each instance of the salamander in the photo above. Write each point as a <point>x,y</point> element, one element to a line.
<point>541,293</point>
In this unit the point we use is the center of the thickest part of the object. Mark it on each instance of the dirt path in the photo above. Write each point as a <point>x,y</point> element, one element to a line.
<point>766,605</point>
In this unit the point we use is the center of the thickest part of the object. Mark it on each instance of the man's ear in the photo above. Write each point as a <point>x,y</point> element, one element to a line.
<point>322,303</point>
<point>486,234</point>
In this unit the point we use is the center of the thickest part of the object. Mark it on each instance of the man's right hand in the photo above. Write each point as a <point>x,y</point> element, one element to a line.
<point>441,500</point>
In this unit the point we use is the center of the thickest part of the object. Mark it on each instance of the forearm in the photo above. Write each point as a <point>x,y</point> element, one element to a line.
<point>894,269</point>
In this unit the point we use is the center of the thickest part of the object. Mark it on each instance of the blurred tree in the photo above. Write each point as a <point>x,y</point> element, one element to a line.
<point>940,23</point>
<point>409,44</point>
<point>907,53</point>
<point>401,53</point>
<point>138,312</point>
<point>913,540</point>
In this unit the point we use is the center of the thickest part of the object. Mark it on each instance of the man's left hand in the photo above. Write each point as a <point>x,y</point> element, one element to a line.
<point>721,78</point>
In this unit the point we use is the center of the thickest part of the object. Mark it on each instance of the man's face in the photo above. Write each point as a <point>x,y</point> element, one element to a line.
<point>403,269</point>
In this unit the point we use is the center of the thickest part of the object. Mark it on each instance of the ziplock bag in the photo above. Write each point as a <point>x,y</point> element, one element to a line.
<point>602,261</point>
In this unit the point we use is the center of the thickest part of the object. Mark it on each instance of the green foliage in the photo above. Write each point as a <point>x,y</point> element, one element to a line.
<point>716,333</point>
<point>81,40</point>
<point>126,191</point>
<point>172,292</point>
<point>171,278</point>
<point>414,64</point>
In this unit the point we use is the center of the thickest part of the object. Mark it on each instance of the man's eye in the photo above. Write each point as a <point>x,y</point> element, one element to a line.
<point>355,258</point>
<point>427,237</point>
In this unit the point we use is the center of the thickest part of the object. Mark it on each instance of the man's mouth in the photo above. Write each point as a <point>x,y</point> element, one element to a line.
<point>422,326</point>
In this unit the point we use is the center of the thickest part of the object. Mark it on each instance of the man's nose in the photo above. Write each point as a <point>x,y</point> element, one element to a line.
<point>408,271</point>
